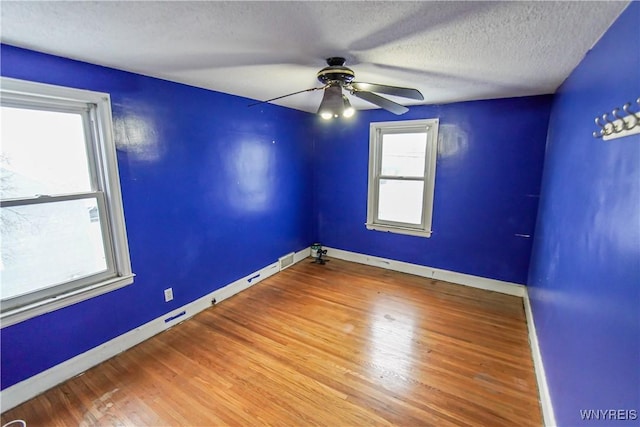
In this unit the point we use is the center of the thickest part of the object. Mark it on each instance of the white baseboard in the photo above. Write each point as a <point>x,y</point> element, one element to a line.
<point>541,378</point>
<point>300,255</point>
<point>33,386</point>
<point>429,272</point>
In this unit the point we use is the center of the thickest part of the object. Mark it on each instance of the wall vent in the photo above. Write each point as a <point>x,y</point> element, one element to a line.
<point>286,261</point>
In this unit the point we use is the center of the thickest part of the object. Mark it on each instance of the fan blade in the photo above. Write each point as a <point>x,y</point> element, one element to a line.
<point>381,102</point>
<point>284,96</point>
<point>404,92</point>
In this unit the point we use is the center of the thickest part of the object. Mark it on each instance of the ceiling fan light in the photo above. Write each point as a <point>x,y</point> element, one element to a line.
<point>332,104</point>
<point>348,110</point>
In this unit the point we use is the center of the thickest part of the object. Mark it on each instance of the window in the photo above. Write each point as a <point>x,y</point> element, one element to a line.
<point>61,219</point>
<point>402,167</point>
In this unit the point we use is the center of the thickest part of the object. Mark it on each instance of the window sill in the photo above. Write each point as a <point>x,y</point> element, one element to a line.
<point>20,314</point>
<point>398,230</point>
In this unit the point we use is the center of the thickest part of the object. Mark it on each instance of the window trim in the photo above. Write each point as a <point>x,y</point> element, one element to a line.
<point>376,132</point>
<point>104,170</point>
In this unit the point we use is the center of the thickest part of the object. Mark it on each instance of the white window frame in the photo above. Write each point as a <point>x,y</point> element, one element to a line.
<point>376,132</point>
<point>96,110</point>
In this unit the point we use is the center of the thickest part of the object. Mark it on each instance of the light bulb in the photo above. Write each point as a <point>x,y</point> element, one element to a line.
<point>326,115</point>
<point>348,112</point>
<point>347,109</point>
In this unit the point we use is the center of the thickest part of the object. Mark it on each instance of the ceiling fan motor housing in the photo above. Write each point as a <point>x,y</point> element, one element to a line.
<point>336,72</point>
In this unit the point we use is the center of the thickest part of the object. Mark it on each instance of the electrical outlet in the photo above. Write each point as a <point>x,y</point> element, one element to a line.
<point>168,294</point>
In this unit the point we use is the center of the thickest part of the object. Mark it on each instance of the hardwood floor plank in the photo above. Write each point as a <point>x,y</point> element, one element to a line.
<point>339,344</point>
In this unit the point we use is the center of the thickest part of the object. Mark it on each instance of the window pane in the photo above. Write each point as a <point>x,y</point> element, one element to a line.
<point>49,243</point>
<point>400,201</point>
<point>42,152</point>
<point>403,154</point>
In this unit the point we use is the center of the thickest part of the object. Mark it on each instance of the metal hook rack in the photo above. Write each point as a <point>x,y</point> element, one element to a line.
<point>618,125</point>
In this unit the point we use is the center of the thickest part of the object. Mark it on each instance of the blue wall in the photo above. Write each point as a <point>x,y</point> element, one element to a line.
<point>212,191</point>
<point>585,269</point>
<point>487,189</point>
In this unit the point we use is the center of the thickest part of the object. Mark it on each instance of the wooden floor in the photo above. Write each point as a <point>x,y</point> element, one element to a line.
<point>340,345</point>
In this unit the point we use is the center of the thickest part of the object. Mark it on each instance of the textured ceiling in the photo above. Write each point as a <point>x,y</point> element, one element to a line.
<point>450,51</point>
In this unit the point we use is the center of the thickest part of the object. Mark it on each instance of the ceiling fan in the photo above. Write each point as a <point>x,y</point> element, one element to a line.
<point>336,77</point>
